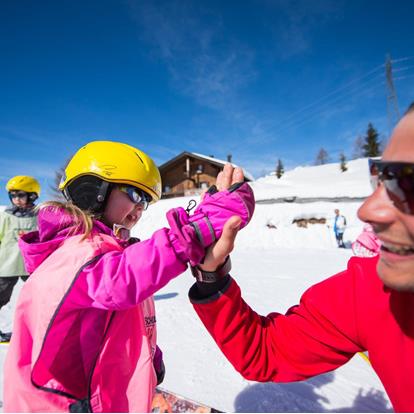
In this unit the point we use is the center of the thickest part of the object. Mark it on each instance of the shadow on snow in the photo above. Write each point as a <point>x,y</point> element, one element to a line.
<point>302,396</point>
<point>165,296</point>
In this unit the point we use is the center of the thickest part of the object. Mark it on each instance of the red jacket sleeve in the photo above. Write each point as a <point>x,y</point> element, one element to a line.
<point>314,337</point>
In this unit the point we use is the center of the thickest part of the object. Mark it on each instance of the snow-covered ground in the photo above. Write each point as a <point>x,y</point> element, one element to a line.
<point>273,265</point>
<point>317,181</point>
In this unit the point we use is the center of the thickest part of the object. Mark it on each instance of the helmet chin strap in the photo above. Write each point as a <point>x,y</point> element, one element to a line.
<point>121,232</point>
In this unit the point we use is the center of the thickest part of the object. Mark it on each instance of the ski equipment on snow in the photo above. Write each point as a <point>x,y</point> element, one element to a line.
<point>168,402</point>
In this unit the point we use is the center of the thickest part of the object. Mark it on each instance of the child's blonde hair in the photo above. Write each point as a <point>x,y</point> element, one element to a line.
<point>83,220</point>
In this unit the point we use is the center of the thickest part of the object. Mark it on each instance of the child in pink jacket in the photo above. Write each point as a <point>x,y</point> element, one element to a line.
<point>367,243</point>
<point>84,336</point>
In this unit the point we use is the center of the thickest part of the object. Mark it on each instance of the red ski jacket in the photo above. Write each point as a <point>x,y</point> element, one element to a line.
<point>349,312</point>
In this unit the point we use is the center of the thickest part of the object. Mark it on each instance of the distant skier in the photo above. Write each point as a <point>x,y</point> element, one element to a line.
<point>339,228</point>
<point>84,336</point>
<point>367,244</point>
<point>16,220</point>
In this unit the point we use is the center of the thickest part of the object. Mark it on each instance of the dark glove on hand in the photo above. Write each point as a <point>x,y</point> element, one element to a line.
<point>159,365</point>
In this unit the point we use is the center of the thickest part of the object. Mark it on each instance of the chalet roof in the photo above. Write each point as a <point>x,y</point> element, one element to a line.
<point>201,157</point>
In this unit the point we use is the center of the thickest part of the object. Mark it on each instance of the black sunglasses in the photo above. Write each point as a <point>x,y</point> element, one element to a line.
<point>136,195</point>
<point>17,194</point>
<point>398,180</point>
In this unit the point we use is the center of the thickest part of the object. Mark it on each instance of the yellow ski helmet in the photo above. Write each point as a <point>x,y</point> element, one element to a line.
<point>23,183</point>
<point>112,162</point>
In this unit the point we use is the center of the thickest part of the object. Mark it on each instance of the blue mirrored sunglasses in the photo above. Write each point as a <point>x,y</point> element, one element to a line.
<point>136,195</point>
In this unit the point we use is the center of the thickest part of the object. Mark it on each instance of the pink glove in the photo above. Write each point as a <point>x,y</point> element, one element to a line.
<point>204,227</point>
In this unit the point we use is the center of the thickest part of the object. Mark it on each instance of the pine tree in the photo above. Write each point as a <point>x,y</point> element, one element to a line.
<point>322,157</point>
<point>342,164</point>
<point>372,145</point>
<point>279,169</point>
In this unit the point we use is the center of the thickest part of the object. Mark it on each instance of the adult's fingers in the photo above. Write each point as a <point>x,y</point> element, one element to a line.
<point>225,176</point>
<point>219,179</point>
<point>225,243</point>
<point>237,176</point>
<point>216,254</point>
<point>229,176</point>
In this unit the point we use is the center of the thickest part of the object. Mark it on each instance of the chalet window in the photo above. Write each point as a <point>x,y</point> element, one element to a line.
<point>167,189</point>
<point>204,185</point>
<point>200,169</point>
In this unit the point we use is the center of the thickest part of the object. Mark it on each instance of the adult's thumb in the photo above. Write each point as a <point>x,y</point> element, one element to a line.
<point>231,228</point>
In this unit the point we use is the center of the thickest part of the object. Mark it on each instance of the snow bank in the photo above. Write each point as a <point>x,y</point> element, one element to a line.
<point>317,181</point>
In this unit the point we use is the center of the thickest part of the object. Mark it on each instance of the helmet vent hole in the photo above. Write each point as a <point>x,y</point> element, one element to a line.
<point>139,157</point>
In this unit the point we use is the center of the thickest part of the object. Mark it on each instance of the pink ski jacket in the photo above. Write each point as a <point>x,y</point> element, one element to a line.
<point>367,240</point>
<point>84,333</point>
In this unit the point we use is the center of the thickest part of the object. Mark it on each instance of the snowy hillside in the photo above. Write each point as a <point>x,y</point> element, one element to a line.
<point>318,181</point>
<point>274,262</point>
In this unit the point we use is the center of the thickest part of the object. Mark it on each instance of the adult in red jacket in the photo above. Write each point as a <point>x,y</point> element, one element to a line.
<point>368,307</point>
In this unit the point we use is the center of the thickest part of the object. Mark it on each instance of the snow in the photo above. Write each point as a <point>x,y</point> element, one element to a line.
<point>273,267</point>
<point>318,181</point>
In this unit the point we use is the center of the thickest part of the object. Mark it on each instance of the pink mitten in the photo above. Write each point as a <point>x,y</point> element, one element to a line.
<point>205,226</point>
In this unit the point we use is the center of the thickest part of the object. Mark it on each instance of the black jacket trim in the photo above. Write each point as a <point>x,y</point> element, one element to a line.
<point>196,298</point>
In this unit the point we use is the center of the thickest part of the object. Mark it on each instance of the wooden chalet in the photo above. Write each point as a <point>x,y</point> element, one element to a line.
<point>189,174</point>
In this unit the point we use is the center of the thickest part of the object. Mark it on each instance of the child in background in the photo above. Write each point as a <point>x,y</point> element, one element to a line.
<point>85,330</point>
<point>16,220</point>
<point>367,243</point>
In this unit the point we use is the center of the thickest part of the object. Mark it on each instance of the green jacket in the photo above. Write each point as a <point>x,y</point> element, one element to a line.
<point>11,227</point>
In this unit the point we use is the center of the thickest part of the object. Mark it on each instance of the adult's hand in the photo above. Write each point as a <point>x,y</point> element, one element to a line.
<point>217,253</point>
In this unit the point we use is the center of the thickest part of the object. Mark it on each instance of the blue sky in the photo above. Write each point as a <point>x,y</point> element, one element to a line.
<point>260,79</point>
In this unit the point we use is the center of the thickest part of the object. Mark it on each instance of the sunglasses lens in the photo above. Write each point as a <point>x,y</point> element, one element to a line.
<point>18,194</point>
<point>134,195</point>
<point>137,196</point>
<point>398,180</point>
<point>373,175</point>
